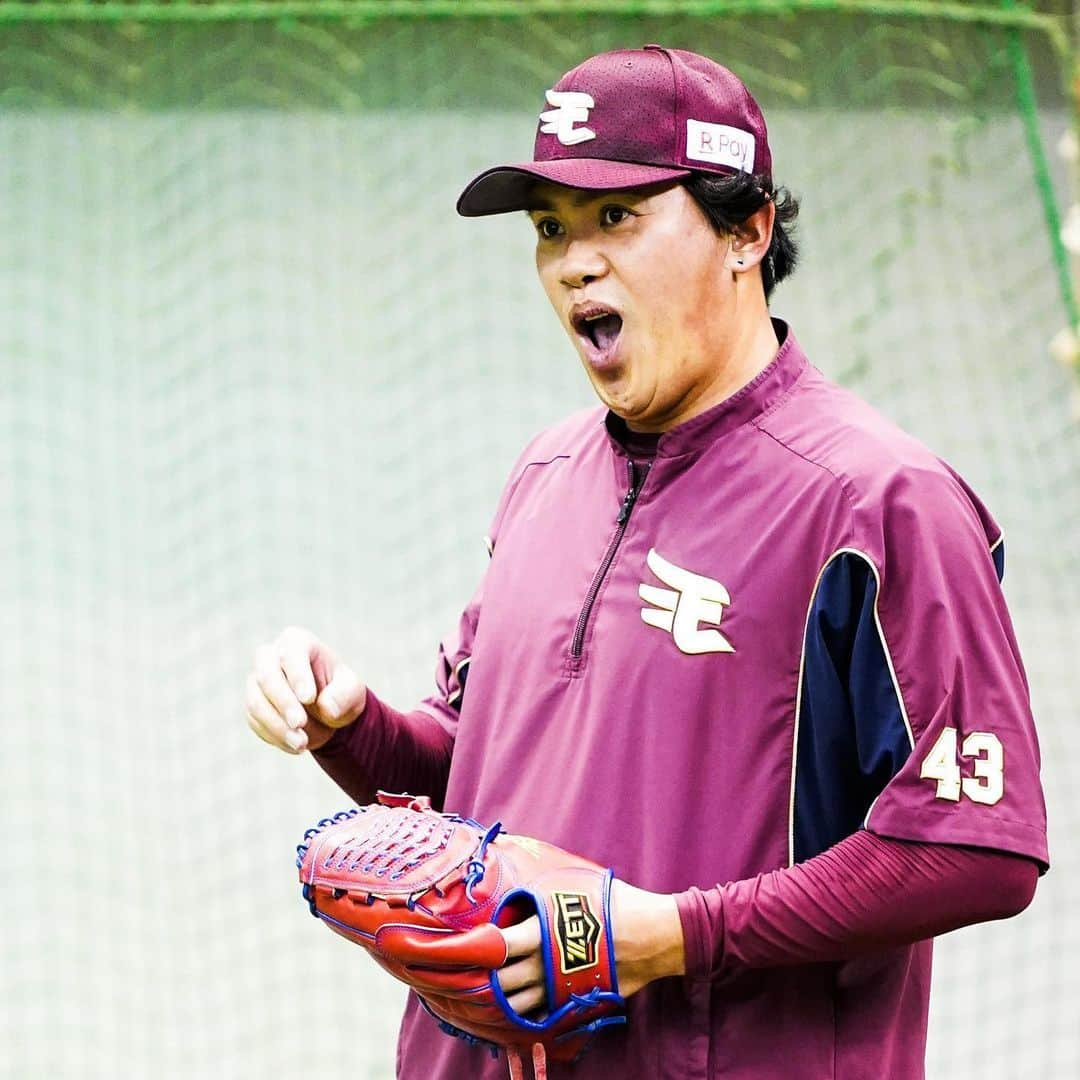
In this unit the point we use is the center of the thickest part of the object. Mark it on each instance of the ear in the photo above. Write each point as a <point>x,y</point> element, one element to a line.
<point>750,240</point>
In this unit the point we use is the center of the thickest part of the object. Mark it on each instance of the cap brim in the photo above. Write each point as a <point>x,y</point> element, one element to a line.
<point>506,187</point>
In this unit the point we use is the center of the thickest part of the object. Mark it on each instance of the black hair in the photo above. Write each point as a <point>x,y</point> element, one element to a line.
<point>727,201</point>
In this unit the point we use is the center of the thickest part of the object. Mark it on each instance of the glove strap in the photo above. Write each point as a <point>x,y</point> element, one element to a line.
<point>475,873</point>
<point>409,802</point>
<point>539,1063</point>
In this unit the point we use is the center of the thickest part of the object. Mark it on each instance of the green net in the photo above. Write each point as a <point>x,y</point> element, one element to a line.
<point>256,372</point>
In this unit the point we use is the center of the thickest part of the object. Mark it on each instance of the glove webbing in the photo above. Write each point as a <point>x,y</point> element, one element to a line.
<point>391,851</point>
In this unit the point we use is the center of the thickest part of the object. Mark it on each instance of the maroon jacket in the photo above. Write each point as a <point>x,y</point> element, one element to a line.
<point>789,627</point>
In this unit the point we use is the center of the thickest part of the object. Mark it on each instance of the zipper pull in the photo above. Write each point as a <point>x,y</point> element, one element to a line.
<point>630,497</point>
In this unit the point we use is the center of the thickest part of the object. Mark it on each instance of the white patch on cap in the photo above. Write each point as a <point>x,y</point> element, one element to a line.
<point>720,144</point>
<point>571,107</point>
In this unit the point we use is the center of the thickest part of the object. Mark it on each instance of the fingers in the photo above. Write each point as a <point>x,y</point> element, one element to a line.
<point>343,700</point>
<point>267,722</point>
<point>276,688</point>
<point>299,691</point>
<point>317,678</point>
<point>522,974</point>
<point>522,938</point>
<point>296,665</point>
<point>301,658</point>
<point>522,979</point>
<point>528,1000</point>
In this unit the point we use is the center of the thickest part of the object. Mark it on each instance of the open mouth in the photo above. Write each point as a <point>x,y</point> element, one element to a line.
<point>599,326</point>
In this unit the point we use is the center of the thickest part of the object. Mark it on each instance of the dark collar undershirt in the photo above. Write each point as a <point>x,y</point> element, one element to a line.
<point>640,446</point>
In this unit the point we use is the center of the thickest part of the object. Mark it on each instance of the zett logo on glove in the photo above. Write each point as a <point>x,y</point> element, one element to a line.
<point>576,931</point>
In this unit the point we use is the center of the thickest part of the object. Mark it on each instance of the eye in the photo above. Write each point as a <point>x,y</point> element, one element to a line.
<point>614,215</point>
<point>547,228</point>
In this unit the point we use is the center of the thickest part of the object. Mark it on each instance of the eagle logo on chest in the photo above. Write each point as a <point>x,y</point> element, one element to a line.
<point>689,609</point>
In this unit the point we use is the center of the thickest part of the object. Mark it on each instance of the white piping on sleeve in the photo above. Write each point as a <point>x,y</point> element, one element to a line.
<point>455,697</point>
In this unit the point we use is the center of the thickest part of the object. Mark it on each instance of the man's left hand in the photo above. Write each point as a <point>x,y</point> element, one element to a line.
<point>647,938</point>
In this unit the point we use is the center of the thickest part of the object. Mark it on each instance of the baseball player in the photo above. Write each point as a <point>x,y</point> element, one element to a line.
<point>740,637</point>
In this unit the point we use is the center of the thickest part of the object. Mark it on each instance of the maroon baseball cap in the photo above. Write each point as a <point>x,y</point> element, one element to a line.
<point>630,118</point>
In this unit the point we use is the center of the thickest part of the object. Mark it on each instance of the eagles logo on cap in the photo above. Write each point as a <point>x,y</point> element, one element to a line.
<point>570,108</point>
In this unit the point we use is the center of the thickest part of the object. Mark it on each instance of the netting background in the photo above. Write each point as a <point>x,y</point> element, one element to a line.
<point>254,371</point>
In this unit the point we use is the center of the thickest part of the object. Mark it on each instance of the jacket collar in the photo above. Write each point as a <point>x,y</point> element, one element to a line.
<point>755,398</point>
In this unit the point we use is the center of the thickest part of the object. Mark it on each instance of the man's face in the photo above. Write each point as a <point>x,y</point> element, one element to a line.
<point>643,287</point>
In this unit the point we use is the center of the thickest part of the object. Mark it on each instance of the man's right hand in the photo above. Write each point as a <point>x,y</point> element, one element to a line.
<point>300,692</point>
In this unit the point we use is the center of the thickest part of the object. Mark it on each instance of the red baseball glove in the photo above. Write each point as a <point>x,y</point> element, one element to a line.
<point>425,894</point>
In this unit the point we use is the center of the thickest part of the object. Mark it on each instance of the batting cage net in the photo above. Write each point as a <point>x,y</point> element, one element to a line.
<point>256,372</point>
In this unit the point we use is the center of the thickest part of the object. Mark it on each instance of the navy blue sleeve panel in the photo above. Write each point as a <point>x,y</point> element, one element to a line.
<point>852,734</point>
<point>998,552</point>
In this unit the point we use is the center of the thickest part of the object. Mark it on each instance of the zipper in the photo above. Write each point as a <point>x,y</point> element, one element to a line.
<point>636,481</point>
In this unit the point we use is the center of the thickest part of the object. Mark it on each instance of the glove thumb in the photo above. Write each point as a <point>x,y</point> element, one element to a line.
<point>481,947</point>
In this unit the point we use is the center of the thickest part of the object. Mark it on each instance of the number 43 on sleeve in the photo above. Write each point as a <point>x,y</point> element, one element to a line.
<point>942,764</point>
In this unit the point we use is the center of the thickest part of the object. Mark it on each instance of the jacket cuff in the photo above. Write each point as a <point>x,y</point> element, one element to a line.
<point>373,712</point>
<point>702,918</point>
